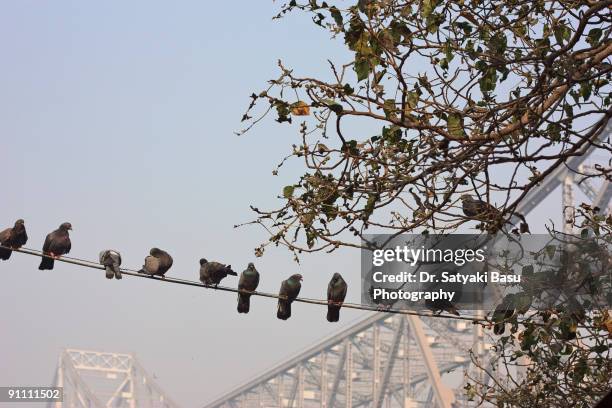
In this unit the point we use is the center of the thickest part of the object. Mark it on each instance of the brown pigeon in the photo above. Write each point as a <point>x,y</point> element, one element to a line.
<point>157,263</point>
<point>56,244</point>
<point>212,273</point>
<point>15,237</point>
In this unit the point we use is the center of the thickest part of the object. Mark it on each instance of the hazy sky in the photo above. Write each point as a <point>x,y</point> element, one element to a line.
<point>119,117</point>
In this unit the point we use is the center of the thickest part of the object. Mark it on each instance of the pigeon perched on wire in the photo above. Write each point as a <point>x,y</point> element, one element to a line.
<point>157,263</point>
<point>441,305</point>
<point>56,244</point>
<point>382,303</point>
<point>111,260</point>
<point>212,273</point>
<point>336,293</point>
<point>15,238</point>
<point>249,280</point>
<point>289,290</point>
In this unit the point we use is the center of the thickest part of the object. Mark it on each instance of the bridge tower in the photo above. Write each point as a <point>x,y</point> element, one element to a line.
<point>95,379</point>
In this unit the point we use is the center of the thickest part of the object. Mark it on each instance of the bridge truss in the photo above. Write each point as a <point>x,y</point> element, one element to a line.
<point>397,360</point>
<point>94,379</point>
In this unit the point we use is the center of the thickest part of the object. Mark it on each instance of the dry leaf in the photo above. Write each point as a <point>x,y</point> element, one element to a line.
<point>300,108</point>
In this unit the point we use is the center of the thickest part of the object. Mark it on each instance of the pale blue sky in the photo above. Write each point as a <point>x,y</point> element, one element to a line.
<point>119,117</point>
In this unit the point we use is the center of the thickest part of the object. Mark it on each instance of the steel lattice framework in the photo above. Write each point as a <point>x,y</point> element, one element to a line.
<point>93,379</point>
<point>387,359</point>
<point>399,360</point>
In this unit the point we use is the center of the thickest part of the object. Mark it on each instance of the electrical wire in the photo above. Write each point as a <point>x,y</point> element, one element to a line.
<point>131,272</point>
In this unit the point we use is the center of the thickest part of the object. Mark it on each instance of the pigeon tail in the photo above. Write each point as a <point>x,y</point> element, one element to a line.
<point>5,254</point>
<point>109,272</point>
<point>284,309</point>
<point>453,310</point>
<point>46,263</point>
<point>333,313</point>
<point>230,272</point>
<point>244,303</point>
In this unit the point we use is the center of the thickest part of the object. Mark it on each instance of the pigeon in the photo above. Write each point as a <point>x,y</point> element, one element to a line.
<point>441,305</point>
<point>56,244</point>
<point>289,290</point>
<point>212,273</point>
<point>249,279</point>
<point>478,209</point>
<point>157,263</point>
<point>486,213</point>
<point>336,292</point>
<point>112,261</point>
<point>383,304</point>
<point>503,312</point>
<point>15,237</point>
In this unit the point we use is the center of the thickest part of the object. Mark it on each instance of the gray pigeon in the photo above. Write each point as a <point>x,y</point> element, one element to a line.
<point>479,210</point>
<point>249,280</point>
<point>502,313</point>
<point>336,292</point>
<point>56,244</point>
<point>15,237</point>
<point>157,263</point>
<point>383,304</point>
<point>486,213</point>
<point>212,273</point>
<point>289,290</point>
<point>112,261</point>
<point>441,305</point>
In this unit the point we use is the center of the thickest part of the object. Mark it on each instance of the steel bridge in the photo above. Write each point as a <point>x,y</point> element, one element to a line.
<point>95,379</point>
<point>386,359</point>
<point>398,360</point>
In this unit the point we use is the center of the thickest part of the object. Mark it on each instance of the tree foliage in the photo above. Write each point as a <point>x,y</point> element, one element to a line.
<point>470,97</point>
<point>552,337</point>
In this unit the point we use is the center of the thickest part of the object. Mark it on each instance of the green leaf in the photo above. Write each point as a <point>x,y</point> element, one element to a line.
<point>369,207</point>
<point>362,68</point>
<point>333,106</point>
<point>594,36</point>
<point>427,6</point>
<point>465,26</point>
<point>412,99</point>
<point>336,15</point>
<point>562,33</point>
<point>488,81</point>
<point>455,124</point>
<point>585,90</point>
<point>498,43</point>
<point>527,270</point>
<point>389,108</point>
<point>554,131</point>
<point>288,191</point>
